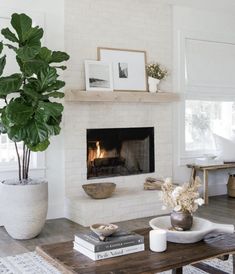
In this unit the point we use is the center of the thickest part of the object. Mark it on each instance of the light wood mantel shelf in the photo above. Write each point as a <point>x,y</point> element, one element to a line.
<point>120,96</point>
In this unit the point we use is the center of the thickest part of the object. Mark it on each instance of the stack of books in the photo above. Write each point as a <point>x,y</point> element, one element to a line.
<point>118,244</point>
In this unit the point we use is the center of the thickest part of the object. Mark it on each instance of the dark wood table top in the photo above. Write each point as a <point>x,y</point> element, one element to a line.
<point>67,260</point>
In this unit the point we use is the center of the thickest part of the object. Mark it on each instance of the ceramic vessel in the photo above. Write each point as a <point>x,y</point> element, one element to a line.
<point>231,186</point>
<point>181,221</point>
<point>200,229</point>
<point>99,190</point>
<point>104,230</point>
<point>26,206</point>
<point>153,84</point>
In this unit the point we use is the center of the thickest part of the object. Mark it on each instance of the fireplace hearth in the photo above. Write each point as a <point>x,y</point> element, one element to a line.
<point>119,152</point>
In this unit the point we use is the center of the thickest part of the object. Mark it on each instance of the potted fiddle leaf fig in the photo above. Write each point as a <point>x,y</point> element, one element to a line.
<point>29,114</point>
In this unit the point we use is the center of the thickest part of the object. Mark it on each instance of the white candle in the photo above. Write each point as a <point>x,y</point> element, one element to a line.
<point>157,240</point>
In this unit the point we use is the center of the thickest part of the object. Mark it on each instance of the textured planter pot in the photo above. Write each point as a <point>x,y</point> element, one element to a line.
<point>26,208</point>
<point>153,84</point>
<point>181,221</point>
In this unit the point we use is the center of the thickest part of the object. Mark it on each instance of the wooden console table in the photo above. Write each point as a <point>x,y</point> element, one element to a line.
<point>69,261</point>
<point>205,170</point>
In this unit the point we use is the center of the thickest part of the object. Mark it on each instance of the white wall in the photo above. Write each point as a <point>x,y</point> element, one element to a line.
<point>220,23</point>
<point>128,24</point>
<point>52,15</point>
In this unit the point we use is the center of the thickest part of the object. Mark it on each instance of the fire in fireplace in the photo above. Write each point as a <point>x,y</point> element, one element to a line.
<point>119,151</point>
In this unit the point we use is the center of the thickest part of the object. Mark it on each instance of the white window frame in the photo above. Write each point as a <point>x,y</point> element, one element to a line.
<point>197,92</point>
<point>6,169</point>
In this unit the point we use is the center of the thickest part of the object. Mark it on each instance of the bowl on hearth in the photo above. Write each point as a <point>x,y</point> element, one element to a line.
<point>99,190</point>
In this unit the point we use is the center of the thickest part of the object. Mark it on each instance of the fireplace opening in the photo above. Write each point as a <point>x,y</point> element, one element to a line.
<point>119,151</point>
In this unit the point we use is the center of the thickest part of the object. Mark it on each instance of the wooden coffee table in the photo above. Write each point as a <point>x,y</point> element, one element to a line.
<point>67,260</point>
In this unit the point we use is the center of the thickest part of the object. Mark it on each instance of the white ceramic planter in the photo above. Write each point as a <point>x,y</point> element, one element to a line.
<point>25,209</point>
<point>153,84</point>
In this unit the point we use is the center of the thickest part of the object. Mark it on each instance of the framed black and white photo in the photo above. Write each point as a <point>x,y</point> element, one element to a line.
<point>129,68</point>
<point>99,76</point>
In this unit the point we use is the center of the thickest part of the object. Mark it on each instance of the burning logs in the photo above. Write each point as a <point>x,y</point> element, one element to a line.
<point>109,162</point>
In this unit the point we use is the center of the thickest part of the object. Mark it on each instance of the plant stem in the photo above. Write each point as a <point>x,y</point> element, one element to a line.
<point>23,165</point>
<point>19,164</point>
<point>27,163</point>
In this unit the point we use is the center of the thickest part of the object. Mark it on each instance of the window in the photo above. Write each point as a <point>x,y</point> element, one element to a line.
<point>207,66</point>
<point>205,118</point>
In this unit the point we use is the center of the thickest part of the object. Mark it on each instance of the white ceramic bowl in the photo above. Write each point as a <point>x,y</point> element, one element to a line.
<point>201,227</point>
<point>104,230</point>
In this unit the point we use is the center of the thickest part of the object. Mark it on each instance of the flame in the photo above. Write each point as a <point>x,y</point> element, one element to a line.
<point>99,153</point>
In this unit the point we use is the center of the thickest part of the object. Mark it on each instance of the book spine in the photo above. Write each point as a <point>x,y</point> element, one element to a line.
<point>109,245</point>
<point>95,256</point>
<point>84,243</point>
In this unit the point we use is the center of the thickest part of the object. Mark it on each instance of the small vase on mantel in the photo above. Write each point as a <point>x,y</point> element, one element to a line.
<point>153,84</point>
<point>181,220</point>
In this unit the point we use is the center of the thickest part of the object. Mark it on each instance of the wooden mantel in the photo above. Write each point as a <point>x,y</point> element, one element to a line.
<point>120,96</point>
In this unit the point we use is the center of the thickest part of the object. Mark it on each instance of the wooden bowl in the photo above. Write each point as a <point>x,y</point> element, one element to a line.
<point>99,190</point>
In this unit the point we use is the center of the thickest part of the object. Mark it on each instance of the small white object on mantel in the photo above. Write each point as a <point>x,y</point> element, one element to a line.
<point>157,240</point>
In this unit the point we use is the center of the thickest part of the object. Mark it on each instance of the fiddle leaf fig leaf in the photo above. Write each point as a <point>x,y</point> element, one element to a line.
<point>47,77</point>
<point>16,133</point>
<point>11,47</point>
<point>37,132</point>
<point>58,84</point>
<point>61,67</point>
<point>1,47</point>
<point>18,112</point>
<point>47,110</point>
<point>29,37</point>
<point>33,66</point>
<point>27,52</point>
<point>45,54</point>
<point>54,129</point>
<point>39,147</point>
<point>2,64</point>
<point>9,35</point>
<point>55,94</point>
<point>10,84</point>
<point>58,57</point>
<point>22,25</point>
<point>31,93</point>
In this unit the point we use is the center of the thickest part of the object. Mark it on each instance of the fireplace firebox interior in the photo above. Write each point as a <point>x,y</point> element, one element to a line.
<point>119,151</point>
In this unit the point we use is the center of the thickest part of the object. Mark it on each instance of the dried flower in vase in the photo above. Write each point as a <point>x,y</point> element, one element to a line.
<point>155,70</point>
<point>183,198</point>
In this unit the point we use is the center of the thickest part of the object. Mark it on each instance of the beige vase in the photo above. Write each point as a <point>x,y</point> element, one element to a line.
<point>25,208</point>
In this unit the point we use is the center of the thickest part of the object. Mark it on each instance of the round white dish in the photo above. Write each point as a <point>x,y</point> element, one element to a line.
<point>201,227</point>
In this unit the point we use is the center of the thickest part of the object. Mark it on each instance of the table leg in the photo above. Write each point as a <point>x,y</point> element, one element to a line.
<point>205,185</point>
<point>178,270</point>
<point>233,263</point>
<point>194,173</point>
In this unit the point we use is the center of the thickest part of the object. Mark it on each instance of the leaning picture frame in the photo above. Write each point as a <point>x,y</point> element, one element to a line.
<point>129,68</point>
<point>98,76</point>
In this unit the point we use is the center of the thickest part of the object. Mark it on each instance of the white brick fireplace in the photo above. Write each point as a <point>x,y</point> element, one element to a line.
<point>130,200</point>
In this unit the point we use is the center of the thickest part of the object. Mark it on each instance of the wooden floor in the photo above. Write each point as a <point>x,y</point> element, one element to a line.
<point>220,209</point>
